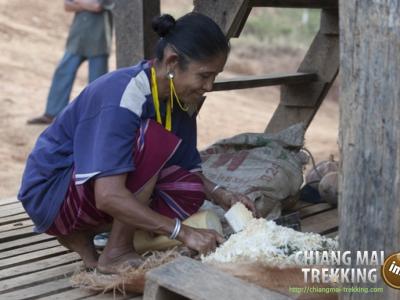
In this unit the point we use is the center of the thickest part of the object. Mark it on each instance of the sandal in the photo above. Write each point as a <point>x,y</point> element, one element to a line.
<point>42,120</point>
<point>100,240</point>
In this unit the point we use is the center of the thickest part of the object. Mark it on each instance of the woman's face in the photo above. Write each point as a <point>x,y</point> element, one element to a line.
<point>197,78</point>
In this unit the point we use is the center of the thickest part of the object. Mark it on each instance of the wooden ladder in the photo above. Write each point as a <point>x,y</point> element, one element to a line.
<point>301,92</point>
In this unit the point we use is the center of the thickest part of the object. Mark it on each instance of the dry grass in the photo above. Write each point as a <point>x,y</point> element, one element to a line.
<point>128,279</point>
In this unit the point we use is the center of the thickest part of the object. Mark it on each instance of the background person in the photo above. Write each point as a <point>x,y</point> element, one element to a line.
<point>89,39</point>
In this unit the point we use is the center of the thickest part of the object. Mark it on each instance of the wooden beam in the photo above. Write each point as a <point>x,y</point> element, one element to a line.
<point>43,291</point>
<point>314,209</point>
<point>32,256</point>
<point>295,3</point>
<point>39,265</point>
<point>8,200</point>
<point>23,242</point>
<point>185,278</point>
<point>329,21</point>
<point>320,223</point>
<point>11,209</point>
<point>15,225</point>
<point>135,39</point>
<point>264,80</point>
<point>28,280</point>
<point>13,218</point>
<point>27,249</point>
<point>369,196</point>
<point>229,15</point>
<point>16,234</point>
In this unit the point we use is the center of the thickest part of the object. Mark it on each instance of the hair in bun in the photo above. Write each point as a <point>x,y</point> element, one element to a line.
<point>163,24</point>
<point>193,36</point>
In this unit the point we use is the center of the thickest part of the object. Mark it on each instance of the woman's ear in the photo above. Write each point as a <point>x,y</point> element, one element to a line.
<point>171,59</point>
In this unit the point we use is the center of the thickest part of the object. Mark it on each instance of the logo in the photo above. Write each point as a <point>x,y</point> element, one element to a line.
<point>391,271</point>
<point>340,266</point>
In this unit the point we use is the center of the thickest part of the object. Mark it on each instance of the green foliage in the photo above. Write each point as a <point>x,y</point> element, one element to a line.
<point>274,27</point>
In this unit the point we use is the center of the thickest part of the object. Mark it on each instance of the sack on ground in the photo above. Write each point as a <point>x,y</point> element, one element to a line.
<point>268,168</point>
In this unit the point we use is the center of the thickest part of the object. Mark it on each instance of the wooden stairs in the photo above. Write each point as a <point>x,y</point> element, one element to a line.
<point>302,92</point>
<point>36,267</point>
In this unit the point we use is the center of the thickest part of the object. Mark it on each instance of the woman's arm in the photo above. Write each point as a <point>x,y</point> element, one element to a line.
<point>224,198</point>
<point>80,5</point>
<point>115,199</point>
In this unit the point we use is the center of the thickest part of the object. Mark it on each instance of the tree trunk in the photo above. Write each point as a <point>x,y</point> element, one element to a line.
<point>369,199</point>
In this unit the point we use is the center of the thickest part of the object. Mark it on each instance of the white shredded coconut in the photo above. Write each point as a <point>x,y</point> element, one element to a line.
<point>265,242</point>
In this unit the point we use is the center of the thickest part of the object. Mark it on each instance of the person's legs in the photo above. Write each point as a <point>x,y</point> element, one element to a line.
<point>173,192</point>
<point>98,65</point>
<point>149,159</point>
<point>79,219</point>
<point>81,243</point>
<point>119,248</point>
<point>62,83</point>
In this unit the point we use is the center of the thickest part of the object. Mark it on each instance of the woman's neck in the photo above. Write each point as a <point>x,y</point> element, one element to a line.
<point>162,81</point>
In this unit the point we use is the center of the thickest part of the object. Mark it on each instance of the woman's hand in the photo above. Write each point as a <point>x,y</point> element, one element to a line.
<point>203,241</point>
<point>226,199</point>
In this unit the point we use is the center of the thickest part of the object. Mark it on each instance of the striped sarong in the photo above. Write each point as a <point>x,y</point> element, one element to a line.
<point>178,192</point>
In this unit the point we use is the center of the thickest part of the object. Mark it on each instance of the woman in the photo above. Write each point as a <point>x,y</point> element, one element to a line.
<point>124,152</point>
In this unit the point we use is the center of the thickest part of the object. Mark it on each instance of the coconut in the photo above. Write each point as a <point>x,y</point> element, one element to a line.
<point>315,175</point>
<point>328,188</point>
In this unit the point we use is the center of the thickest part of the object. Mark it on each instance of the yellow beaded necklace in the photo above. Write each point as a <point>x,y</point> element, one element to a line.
<point>170,103</point>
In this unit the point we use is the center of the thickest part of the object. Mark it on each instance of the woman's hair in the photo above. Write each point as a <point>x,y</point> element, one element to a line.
<point>194,36</point>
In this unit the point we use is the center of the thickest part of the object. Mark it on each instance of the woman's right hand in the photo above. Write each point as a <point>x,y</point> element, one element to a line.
<point>202,240</point>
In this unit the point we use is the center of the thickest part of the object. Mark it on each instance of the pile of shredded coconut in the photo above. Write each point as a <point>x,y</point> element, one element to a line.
<point>269,244</point>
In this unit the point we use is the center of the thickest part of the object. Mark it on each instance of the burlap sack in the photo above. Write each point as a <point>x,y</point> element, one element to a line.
<point>268,168</point>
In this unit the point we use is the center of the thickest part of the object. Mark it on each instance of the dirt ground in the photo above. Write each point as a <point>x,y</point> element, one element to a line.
<point>32,38</point>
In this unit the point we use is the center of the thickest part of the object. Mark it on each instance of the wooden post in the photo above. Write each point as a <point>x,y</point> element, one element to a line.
<point>134,36</point>
<point>369,201</point>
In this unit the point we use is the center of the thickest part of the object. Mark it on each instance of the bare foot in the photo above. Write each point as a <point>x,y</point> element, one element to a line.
<point>112,260</point>
<point>81,243</point>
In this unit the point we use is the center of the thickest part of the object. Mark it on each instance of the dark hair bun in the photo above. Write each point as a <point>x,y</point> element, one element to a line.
<point>163,24</point>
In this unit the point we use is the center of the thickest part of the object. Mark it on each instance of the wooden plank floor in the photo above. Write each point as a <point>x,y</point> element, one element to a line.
<point>35,266</point>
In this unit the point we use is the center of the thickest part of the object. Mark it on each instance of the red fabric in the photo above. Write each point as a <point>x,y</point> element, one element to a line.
<point>178,192</point>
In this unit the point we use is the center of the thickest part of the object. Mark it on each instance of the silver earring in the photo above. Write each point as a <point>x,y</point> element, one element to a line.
<point>170,75</point>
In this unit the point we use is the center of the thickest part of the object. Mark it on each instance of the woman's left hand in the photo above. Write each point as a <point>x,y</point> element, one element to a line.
<point>228,198</point>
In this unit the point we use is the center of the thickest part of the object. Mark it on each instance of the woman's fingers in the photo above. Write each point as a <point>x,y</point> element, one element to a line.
<point>203,240</point>
<point>217,237</point>
<point>246,201</point>
<point>220,239</point>
<point>250,205</point>
<point>213,240</point>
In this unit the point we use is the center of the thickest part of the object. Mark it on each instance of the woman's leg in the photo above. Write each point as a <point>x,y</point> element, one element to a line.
<point>78,221</point>
<point>81,243</point>
<point>119,248</point>
<point>173,192</point>
<point>178,193</point>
